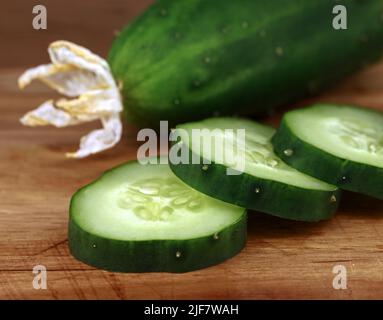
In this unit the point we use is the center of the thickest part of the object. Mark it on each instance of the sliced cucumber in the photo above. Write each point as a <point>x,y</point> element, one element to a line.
<point>266,184</point>
<point>342,145</point>
<point>141,218</point>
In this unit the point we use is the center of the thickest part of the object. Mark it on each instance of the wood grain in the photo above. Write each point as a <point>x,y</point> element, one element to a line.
<point>283,259</point>
<point>92,24</point>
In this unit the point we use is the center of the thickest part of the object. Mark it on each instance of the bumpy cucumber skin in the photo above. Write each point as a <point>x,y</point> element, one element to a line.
<point>155,255</point>
<point>273,197</point>
<point>185,60</point>
<point>346,174</point>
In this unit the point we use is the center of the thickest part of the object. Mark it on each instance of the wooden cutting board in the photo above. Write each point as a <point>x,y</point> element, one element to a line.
<point>282,259</point>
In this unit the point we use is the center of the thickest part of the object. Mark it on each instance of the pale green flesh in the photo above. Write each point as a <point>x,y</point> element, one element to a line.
<point>350,133</point>
<point>259,157</point>
<point>147,202</point>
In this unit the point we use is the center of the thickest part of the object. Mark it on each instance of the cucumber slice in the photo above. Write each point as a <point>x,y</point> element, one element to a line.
<point>266,184</point>
<point>137,218</point>
<point>342,145</point>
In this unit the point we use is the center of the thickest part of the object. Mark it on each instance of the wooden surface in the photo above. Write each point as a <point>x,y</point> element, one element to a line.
<point>283,259</point>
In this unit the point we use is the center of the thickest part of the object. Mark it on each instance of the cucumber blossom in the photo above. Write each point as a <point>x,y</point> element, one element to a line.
<point>184,60</point>
<point>340,144</point>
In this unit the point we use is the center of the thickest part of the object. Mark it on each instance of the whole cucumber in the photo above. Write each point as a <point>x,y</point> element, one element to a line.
<point>185,60</point>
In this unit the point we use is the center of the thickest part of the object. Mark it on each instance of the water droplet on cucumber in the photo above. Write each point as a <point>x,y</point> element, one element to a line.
<point>288,152</point>
<point>279,51</point>
<point>207,60</point>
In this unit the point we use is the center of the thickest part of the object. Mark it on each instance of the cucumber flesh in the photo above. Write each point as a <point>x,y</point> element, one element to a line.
<point>340,144</point>
<point>139,218</point>
<point>267,184</point>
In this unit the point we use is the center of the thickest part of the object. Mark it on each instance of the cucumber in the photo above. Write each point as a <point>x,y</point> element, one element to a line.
<point>187,60</point>
<point>266,183</point>
<point>138,218</point>
<point>340,144</point>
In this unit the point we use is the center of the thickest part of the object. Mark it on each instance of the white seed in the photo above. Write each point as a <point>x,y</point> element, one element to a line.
<point>205,167</point>
<point>94,245</point>
<point>216,236</point>
<point>257,190</point>
<point>288,152</point>
<point>272,163</point>
<point>178,254</point>
<point>333,198</point>
<point>372,147</point>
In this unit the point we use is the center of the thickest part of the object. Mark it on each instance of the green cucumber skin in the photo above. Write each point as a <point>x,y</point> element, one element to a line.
<point>359,177</point>
<point>156,256</point>
<point>275,198</point>
<point>185,60</point>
